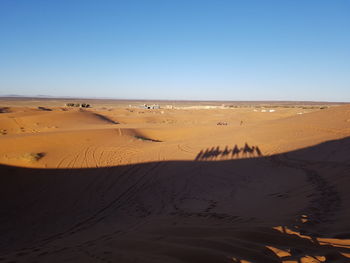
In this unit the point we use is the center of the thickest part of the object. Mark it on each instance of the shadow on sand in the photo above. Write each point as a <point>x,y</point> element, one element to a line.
<point>182,211</point>
<point>216,153</point>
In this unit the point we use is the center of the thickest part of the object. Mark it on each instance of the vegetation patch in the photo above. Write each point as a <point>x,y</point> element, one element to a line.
<point>5,110</point>
<point>32,157</point>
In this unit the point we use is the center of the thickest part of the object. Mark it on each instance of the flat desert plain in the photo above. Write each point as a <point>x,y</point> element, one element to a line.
<point>191,183</point>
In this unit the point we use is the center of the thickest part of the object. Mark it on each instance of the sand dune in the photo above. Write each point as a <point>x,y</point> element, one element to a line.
<point>31,121</point>
<point>128,186</point>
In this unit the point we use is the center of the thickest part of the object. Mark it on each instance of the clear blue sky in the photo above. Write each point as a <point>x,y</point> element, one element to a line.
<point>177,49</point>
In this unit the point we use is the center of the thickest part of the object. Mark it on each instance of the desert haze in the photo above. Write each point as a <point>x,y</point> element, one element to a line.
<point>188,182</point>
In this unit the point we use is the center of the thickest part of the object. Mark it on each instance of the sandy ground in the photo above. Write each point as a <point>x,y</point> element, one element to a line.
<point>121,184</point>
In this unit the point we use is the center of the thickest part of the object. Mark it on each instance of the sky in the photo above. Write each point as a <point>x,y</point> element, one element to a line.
<point>176,49</point>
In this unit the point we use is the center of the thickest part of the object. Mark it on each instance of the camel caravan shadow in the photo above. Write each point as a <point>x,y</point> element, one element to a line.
<point>235,152</point>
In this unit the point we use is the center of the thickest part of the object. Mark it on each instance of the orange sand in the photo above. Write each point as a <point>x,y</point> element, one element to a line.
<point>170,185</point>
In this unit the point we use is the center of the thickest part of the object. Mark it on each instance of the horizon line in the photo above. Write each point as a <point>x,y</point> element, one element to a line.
<point>14,96</point>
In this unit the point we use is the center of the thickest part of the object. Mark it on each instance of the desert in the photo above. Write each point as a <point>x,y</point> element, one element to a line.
<point>184,131</point>
<point>185,182</point>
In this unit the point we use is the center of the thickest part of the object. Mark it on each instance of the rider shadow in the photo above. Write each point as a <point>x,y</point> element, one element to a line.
<point>225,153</point>
<point>215,153</point>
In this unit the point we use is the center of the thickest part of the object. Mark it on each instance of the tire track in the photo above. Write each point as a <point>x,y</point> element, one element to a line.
<point>109,208</point>
<point>183,148</point>
<point>62,160</point>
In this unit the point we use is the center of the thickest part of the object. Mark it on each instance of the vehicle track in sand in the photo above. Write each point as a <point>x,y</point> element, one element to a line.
<point>185,148</point>
<point>92,156</point>
<point>108,208</point>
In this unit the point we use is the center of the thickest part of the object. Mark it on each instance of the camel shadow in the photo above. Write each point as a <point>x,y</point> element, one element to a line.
<point>216,153</point>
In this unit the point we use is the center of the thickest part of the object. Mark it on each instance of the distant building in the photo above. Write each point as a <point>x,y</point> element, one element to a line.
<point>150,107</point>
<point>83,105</point>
